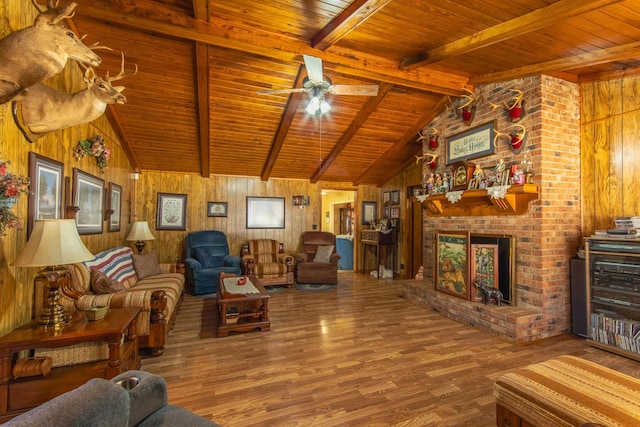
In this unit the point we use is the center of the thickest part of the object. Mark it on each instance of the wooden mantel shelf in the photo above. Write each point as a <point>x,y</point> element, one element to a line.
<point>479,203</point>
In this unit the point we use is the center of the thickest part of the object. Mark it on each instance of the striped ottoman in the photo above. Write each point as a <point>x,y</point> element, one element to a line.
<point>566,391</point>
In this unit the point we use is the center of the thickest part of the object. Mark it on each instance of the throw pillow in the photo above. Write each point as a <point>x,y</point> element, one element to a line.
<point>146,265</point>
<point>101,284</point>
<point>323,253</point>
<point>207,258</point>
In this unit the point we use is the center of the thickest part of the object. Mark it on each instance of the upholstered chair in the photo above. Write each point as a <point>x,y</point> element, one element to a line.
<point>266,259</point>
<point>318,261</point>
<point>206,256</point>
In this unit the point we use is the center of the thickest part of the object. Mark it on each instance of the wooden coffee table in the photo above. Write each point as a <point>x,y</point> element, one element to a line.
<point>242,312</point>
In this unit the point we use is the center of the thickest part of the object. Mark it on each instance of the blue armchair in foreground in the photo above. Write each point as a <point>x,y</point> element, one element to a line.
<point>206,256</point>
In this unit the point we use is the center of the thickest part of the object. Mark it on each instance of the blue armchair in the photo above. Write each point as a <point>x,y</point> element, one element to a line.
<point>206,256</point>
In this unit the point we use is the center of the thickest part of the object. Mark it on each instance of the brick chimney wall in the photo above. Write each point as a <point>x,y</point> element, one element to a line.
<point>549,233</point>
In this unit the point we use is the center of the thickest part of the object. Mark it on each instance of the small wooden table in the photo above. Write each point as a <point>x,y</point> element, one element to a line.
<point>118,329</point>
<point>252,309</point>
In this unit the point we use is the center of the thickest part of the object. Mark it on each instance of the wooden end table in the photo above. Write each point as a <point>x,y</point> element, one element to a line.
<point>252,309</point>
<point>118,329</point>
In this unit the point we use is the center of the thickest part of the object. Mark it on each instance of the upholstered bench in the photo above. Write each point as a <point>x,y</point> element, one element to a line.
<point>567,391</point>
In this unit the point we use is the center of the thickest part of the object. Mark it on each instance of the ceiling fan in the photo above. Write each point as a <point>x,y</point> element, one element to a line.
<point>318,85</point>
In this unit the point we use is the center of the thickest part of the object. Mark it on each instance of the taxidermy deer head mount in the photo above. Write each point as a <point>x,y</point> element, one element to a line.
<point>429,159</point>
<point>36,53</point>
<point>432,137</point>
<point>516,140</point>
<point>515,107</point>
<point>41,109</point>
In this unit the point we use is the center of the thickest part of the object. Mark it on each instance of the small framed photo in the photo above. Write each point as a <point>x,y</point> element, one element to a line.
<point>386,197</point>
<point>47,184</point>
<point>395,213</point>
<point>172,212</point>
<point>413,191</point>
<point>217,209</point>
<point>473,184</point>
<point>387,211</point>
<point>115,206</point>
<point>88,196</point>
<point>395,197</point>
<point>369,212</point>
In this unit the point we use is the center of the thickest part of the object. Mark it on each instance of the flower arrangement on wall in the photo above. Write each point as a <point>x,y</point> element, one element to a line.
<point>93,147</point>
<point>11,186</point>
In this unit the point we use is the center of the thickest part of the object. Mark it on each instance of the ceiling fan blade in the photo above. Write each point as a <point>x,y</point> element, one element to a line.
<point>362,90</point>
<point>277,91</point>
<point>314,68</point>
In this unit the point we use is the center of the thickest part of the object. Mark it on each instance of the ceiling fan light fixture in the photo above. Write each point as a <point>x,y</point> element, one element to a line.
<point>324,107</point>
<point>313,106</point>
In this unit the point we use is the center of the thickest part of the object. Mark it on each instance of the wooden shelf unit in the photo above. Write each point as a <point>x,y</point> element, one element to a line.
<point>480,203</point>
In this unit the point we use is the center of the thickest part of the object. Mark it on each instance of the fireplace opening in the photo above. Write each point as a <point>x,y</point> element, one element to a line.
<point>506,260</point>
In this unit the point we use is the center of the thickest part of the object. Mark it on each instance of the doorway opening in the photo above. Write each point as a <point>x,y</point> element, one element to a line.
<point>338,216</point>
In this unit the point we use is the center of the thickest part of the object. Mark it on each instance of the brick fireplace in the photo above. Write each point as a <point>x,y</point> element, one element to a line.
<point>546,236</point>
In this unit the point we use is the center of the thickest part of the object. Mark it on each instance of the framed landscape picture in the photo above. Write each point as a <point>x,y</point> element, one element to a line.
<point>88,196</point>
<point>172,212</point>
<point>484,268</point>
<point>45,197</point>
<point>452,264</point>
<point>369,212</point>
<point>265,212</point>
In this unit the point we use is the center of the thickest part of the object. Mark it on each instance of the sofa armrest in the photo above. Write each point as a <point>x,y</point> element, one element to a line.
<point>169,267</point>
<point>333,259</point>
<point>232,261</point>
<point>301,257</point>
<point>193,264</point>
<point>287,260</point>
<point>248,264</point>
<point>131,298</point>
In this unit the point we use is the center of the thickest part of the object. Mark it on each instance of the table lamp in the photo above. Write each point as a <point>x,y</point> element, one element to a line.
<point>139,233</point>
<point>53,243</point>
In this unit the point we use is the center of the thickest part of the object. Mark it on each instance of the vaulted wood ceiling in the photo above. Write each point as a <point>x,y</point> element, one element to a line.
<point>193,107</point>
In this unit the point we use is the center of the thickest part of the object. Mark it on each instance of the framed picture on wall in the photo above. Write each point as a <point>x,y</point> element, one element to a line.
<point>386,197</point>
<point>395,197</point>
<point>484,268</point>
<point>395,212</point>
<point>452,264</point>
<point>88,196</point>
<point>115,205</point>
<point>172,212</point>
<point>217,209</point>
<point>265,212</point>
<point>47,182</point>
<point>369,212</point>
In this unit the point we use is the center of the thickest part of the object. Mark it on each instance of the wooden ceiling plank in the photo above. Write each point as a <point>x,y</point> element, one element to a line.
<point>349,19</point>
<point>285,123</point>
<point>201,11</point>
<point>408,136</point>
<point>369,107</point>
<point>616,53</point>
<point>236,36</point>
<point>532,21</point>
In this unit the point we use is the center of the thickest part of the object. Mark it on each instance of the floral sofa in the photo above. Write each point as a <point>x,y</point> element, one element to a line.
<point>135,281</point>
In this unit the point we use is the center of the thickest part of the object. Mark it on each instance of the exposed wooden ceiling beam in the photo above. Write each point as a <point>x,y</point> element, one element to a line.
<point>349,19</point>
<point>532,21</point>
<point>368,108</point>
<point>616,53</point>
<point>408,136</point>
<point>285,123</point>
<point>245,38</point>
<point>201,11</point>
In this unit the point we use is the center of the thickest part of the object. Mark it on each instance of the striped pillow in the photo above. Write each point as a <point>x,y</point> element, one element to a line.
<point>116,263</point>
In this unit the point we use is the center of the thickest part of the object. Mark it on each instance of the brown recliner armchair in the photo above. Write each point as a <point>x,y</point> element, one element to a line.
<point>266,259</point>
<point>318,261</point>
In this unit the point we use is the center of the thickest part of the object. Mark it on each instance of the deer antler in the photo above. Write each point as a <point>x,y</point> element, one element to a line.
<point>514,139</point>
<point>421,137</point>
<point>433,132</point>
<point>429,156</point>
<point>471,98</point>
<point>95,45</point>
<point>121,74</point>
<point>516,99</point>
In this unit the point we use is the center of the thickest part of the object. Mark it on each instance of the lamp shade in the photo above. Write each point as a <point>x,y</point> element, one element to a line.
<point>140,231</point>
<point>53,242</point>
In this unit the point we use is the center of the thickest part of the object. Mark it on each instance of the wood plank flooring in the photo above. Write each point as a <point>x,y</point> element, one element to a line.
<point>358,356</point>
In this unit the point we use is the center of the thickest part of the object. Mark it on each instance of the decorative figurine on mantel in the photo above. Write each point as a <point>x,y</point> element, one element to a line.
<point>499,170</point>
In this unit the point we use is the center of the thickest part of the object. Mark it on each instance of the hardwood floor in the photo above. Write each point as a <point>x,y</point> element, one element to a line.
<point>357,356</point>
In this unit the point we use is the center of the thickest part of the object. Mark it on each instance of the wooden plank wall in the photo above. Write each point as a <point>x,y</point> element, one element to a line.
<point>16,284</point>
<point>610,152</point>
